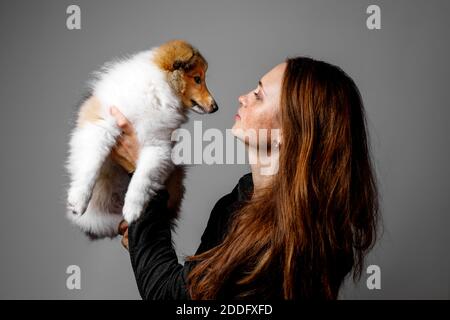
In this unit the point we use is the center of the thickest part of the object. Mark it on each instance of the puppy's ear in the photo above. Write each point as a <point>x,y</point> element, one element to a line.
<point>176,81</point>
<point>185,65</point>
<point>178,64</point>
<point>174,55</point>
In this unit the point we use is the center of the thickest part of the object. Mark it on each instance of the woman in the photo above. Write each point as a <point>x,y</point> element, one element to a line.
<point>294,234</point>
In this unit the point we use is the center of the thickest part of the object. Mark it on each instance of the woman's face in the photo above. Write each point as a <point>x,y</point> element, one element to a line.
<point>259,108</point>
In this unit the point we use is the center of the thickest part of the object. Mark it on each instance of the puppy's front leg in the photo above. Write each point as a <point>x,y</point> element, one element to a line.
<point>153,167</point>
<point>90,145</point>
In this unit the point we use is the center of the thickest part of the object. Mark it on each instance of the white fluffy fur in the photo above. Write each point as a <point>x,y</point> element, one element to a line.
<point>99,187</point>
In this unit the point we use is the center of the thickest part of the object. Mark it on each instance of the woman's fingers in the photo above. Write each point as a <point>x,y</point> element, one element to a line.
<point>125,242</point>
<point>121,120</point>
<point>123,226</point>
<point>126,149</point>
<point>122,149</point>
<point>123,231</point>
<point>123,162</point>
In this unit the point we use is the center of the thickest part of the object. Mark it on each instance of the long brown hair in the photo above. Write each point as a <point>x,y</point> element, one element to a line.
<point>301,236</point>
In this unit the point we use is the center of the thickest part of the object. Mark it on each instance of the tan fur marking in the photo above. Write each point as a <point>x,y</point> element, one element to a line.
<point>89,112</point>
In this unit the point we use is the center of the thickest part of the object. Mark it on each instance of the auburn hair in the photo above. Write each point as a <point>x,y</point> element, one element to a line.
<point>300,236</point>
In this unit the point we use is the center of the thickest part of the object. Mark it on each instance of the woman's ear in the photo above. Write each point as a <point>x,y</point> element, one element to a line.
<point>176,81</point>
<point>278,138</point>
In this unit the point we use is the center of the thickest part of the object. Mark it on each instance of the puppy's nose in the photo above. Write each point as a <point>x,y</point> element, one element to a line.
<point>214,107</point>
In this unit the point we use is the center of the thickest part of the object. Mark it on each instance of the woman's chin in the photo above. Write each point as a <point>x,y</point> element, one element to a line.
<point>233,129</point>
<point>237,131</point>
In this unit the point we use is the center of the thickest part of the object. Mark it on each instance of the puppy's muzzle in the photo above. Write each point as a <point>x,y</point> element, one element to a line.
<point>202,110</point>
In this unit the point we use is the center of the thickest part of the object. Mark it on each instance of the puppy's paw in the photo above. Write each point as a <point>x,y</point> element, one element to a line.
<point>77,201</point>
<point>131,211</point>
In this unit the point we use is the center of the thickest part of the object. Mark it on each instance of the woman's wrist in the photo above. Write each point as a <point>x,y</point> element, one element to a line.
<point>156,207</point>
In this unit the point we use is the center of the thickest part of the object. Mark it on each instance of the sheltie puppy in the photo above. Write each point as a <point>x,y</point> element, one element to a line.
<point>154,90</point>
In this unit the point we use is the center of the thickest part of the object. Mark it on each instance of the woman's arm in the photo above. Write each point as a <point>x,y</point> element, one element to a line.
<point>148,239</point>
<point>153,258</point>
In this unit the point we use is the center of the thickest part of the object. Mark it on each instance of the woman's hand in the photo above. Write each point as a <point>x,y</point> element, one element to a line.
<point>123,231</point>
<point>126,150</point>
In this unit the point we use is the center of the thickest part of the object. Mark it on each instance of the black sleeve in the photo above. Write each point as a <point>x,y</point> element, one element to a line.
<point>216,225</point>
<point>153,258</point>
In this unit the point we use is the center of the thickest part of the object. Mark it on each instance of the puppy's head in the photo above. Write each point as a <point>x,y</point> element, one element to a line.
<point>186,73</point>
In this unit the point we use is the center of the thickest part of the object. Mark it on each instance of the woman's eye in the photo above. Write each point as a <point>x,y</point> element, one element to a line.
<point>256,95</point>
<point>197,79</point>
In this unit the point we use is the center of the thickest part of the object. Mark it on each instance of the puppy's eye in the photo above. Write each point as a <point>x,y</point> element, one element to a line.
<point>197,79</point>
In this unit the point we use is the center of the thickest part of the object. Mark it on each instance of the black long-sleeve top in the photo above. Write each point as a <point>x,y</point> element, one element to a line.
<point>158,273</point>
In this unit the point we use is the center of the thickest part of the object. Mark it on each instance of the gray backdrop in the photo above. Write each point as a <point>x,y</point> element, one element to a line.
<point>402,71</point>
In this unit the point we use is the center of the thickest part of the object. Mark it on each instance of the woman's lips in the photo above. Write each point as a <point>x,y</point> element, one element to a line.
<point>236,116</point>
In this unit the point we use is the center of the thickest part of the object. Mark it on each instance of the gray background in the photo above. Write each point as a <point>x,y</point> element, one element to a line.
<point>401,70</point>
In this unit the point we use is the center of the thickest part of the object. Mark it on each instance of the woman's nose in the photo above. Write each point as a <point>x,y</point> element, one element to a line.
<point>241,100</point>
